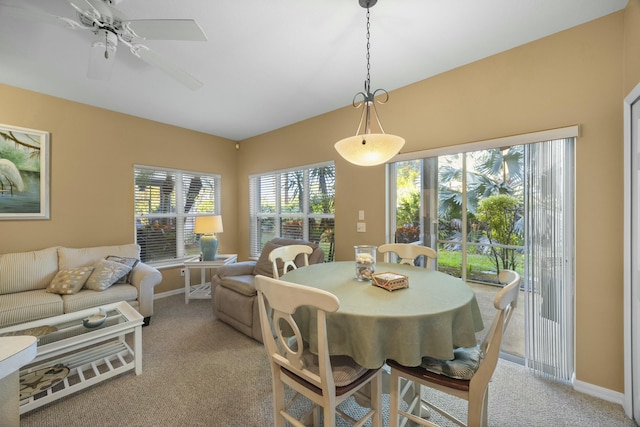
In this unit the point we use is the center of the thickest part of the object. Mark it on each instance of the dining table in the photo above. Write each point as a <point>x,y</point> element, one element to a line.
<point>434,314</point>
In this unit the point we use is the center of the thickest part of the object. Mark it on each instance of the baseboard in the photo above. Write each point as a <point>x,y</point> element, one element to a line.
<point>599,392</point>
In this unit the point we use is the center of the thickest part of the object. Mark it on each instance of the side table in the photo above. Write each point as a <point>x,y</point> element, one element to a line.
<point>203,289</point>
<point>15,351</point>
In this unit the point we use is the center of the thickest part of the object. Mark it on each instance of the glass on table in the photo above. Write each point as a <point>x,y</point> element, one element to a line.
<point>365,262</point>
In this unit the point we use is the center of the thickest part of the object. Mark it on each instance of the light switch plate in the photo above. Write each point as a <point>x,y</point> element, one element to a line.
<point>361,227</point>
<point>360,215</point>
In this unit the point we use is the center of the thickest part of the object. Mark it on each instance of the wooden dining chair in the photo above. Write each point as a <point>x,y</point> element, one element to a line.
<point>466,377</point>
<point>287,256</point>
<point>408,253</point>
<point>325,380</point>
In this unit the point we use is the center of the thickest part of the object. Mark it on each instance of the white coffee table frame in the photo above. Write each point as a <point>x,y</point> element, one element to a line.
<point>92,355</point>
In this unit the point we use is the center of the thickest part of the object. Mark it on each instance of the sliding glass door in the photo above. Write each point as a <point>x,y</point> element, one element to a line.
<point>451,203</point>
<point>505,207</point>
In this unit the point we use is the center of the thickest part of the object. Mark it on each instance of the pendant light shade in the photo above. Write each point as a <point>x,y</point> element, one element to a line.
<point>367,147</point>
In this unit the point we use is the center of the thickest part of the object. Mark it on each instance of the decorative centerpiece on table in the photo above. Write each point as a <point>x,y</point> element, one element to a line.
<point>390,281</point>
<point>365,262</point>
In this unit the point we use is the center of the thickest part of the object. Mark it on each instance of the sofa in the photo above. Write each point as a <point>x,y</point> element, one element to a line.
<point>57,280</point>
<point>233,291</point>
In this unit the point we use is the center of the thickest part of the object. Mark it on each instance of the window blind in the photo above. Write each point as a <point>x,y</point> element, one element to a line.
<point>166,203</point>
<point>549,261</point>
<point>295,204</point>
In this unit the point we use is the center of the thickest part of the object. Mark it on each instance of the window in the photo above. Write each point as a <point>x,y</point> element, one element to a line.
<point>166,204</point>
<point>295,204</point>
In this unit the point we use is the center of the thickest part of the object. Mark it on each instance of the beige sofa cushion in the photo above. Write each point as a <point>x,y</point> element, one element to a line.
<point>22,307</point>
<point>86,257</point>
<point>27,271</point>
<point>88,298</point>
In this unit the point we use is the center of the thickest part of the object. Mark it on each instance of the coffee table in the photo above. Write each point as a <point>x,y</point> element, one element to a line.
<point>90,355</point>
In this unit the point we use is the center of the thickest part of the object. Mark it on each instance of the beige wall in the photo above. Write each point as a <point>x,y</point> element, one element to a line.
<point>579,76</point>
<point>631,67</point>
<point>92,156</point>
<point>574,77</point>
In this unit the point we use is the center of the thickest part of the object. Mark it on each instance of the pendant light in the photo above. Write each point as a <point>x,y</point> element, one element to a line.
<point>367,148</point>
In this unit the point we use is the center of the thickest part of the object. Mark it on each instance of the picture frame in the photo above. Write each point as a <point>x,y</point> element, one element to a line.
<point>24,173</point>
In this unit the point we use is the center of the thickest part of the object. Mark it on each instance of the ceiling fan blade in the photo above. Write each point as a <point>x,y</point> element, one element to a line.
<point>41,16</point>
<point>102,56</point>
<point>166,29</point>
<point>152,58</point>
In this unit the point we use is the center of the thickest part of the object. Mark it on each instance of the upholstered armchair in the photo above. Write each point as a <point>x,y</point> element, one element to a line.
<point>233,291</point>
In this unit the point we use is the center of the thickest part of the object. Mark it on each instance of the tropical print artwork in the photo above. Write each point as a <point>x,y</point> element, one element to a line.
<point>23,173</point>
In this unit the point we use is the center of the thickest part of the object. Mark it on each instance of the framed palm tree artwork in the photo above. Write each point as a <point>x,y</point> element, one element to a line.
<point>24,173</point>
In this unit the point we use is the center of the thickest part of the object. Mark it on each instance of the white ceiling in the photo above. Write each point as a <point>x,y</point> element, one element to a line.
<point>268,64</point>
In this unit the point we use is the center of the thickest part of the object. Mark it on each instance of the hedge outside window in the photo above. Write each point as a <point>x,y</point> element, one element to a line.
<point>295,204</point>
<point>166,204</point>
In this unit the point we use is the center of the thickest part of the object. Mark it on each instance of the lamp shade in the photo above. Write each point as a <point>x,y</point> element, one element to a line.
<point>208,224</point>
<point>369,149</point>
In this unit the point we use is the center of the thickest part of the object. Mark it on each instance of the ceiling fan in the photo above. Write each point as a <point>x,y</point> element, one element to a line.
<point>111,28</point>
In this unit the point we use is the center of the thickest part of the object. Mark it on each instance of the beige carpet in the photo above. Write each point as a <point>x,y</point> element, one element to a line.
<point>197,371</point>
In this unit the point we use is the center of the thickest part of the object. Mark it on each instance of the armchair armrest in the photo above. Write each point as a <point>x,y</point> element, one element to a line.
<point>145,277</point>
<point>237,269</point>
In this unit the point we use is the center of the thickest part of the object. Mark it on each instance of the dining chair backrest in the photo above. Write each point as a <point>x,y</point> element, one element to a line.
<point>504,302</point>
<point>287,256</point>
<point>508,294</point>
<point>484,357</point>
<point>325,380</point>
<point>408,253</point>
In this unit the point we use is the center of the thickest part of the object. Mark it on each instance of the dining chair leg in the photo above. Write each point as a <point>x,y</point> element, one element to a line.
<point>394,401</point>
<point>329,415</point>
<point>316,415</point>
<point>278,403</point>
<point>477,412</point>
<point>403,389</point>
<point>376,400</point>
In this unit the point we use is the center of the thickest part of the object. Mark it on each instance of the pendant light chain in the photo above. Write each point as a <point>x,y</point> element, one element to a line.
<point>368,82</point>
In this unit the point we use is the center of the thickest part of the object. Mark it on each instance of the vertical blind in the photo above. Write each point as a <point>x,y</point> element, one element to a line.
<point>549,266</point>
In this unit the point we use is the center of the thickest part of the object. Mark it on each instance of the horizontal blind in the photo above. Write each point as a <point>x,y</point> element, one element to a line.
<point>293,203</point>
<point>264,205</point>
<point>321,191</point>
<point>166,203</point>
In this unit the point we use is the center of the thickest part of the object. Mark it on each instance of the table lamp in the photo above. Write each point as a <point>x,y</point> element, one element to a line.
<point>207,226</point>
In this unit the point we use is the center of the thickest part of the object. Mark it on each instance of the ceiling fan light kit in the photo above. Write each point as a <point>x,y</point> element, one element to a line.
<point>367,148</point>
<point>111,28</point>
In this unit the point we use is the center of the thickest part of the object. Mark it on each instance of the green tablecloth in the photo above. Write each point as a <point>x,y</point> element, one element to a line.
<point>434,314</point>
